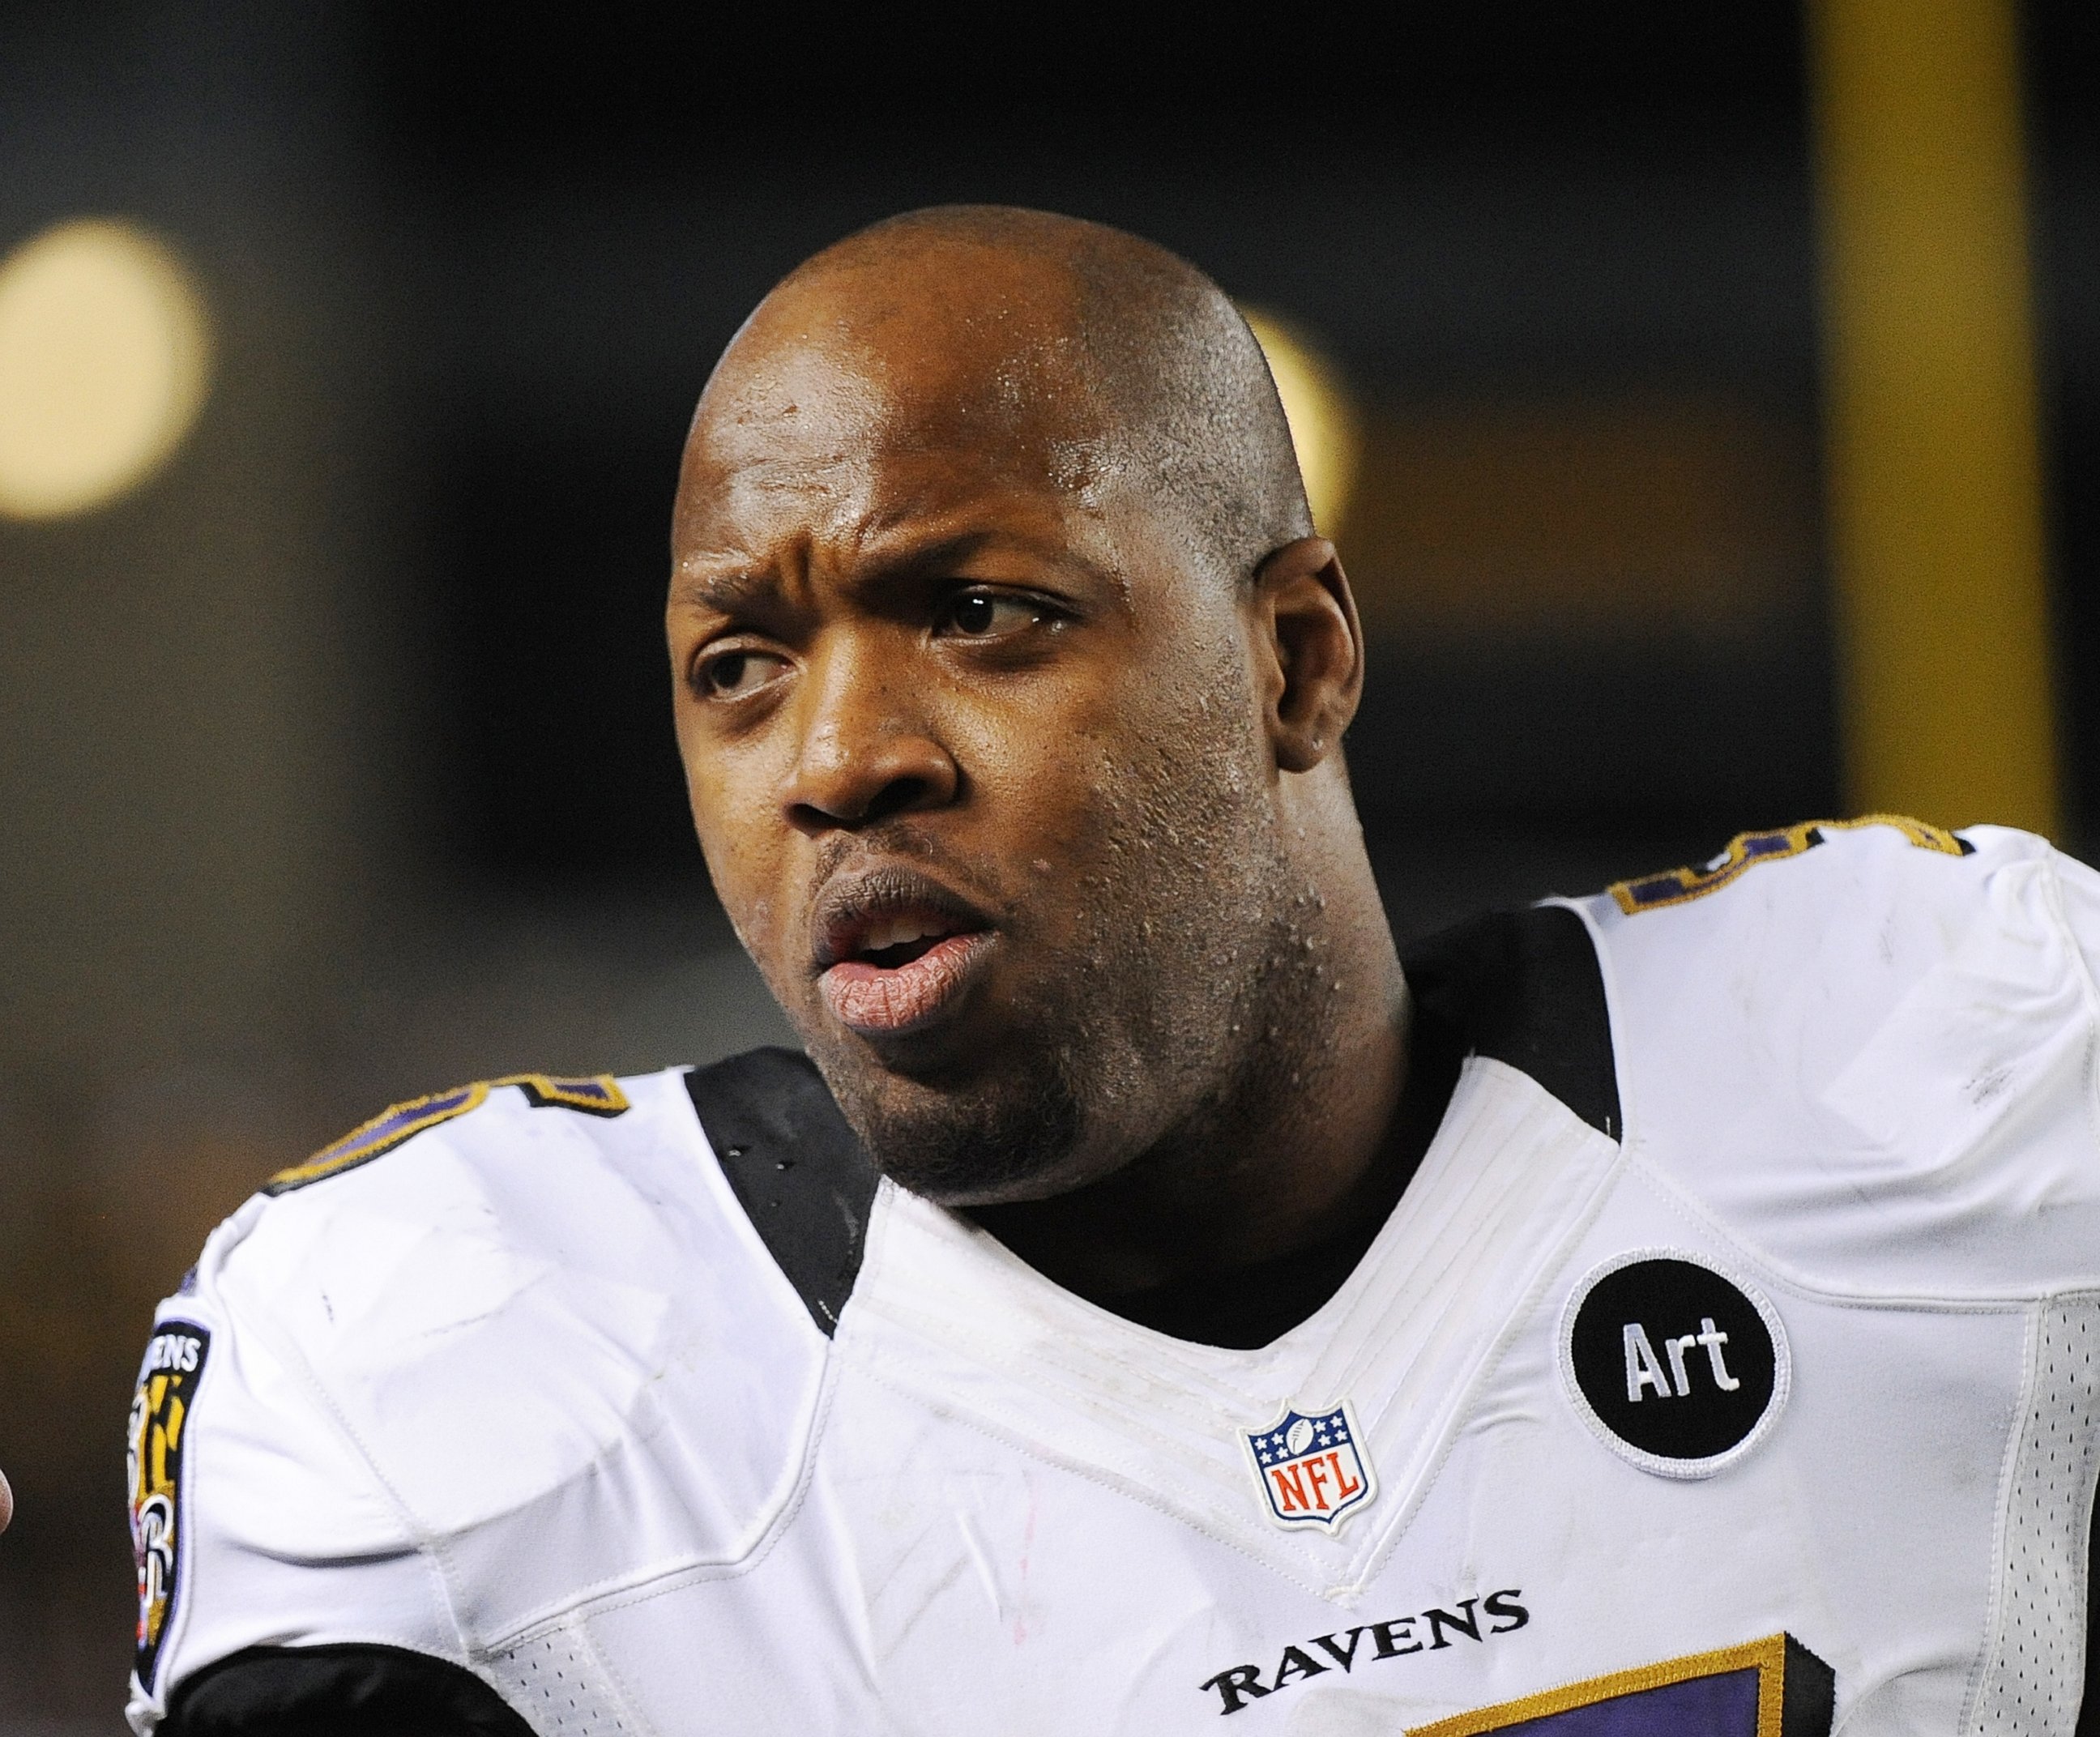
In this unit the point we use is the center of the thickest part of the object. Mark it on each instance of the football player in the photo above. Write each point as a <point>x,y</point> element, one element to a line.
<point>1153,1301</point>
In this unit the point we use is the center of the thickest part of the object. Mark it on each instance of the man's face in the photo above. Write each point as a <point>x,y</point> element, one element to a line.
<point>972,746</point>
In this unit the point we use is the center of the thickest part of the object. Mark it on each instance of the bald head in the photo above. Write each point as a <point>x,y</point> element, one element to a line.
<point>1101,361</point>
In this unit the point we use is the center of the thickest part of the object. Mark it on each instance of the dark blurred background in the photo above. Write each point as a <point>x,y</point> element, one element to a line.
<point>334,757</point>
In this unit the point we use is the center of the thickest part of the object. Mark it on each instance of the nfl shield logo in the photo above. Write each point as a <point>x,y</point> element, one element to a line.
<point>1311,1471</point>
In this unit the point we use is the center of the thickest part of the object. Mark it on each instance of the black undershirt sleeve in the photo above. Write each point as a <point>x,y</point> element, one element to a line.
<point>350,1690</point>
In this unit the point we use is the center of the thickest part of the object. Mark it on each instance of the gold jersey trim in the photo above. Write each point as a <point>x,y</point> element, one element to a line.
<point>1746,850</point>
<point>594,1095</point>
<point>1767,1657</point>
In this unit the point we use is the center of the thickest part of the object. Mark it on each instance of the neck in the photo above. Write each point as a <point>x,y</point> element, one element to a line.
<point>1299,1145</point>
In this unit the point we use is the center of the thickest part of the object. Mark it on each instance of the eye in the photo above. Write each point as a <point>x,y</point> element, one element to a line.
<point>992,614</point>
<point>730,675</point>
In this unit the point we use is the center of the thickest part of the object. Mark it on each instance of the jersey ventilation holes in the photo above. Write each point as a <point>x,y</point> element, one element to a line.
<point>2031,1682</point>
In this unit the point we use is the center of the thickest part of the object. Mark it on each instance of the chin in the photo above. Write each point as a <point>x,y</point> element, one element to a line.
<point>1010,1133</point>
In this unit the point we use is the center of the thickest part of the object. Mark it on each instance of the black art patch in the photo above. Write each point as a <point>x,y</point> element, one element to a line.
<point>168,1378</point>
<point>1678,1368</point>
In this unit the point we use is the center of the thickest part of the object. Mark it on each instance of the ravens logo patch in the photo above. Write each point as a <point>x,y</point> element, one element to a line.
<point>168,1378</point>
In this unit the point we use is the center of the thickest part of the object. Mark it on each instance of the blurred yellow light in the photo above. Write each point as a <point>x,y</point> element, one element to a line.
<point>1934,465</point>
<point>104,357</point>
<point>1323,422</point>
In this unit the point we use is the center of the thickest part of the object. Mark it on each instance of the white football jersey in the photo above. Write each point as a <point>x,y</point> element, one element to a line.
<point>1728,1368</point>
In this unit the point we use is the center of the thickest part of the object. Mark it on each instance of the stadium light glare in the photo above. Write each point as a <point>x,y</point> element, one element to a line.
<point>104,360</point>
<point>1323,421</point>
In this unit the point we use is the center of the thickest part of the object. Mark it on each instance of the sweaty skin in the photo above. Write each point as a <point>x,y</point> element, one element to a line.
<point>1010,683</point>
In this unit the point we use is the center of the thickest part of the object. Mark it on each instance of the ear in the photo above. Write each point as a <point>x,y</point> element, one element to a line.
<point>1311,645</point>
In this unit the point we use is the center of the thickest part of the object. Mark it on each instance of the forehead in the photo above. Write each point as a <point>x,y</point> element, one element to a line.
<point>952,374</point>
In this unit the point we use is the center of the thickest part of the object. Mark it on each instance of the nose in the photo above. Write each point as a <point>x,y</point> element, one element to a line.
<point>866,749</point>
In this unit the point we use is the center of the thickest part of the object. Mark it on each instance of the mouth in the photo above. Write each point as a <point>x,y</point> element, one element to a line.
<point>896,951</point>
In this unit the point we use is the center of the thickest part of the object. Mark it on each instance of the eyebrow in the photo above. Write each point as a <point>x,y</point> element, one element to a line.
<point>728,593</point>
<point>920,560</point>
<point>930,558</point>
<point>734,591</point>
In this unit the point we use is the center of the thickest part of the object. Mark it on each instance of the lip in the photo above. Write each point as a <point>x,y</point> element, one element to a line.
<point>879,1001</point>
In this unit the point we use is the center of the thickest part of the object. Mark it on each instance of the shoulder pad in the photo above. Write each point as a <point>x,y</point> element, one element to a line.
<point>549,1316</point>
<point>1864,1047</point>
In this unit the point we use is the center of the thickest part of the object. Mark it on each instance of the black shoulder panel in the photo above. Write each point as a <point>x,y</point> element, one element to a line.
<point>350,1690</point>
<point>799,1172</point>
<point>1524,987</point>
